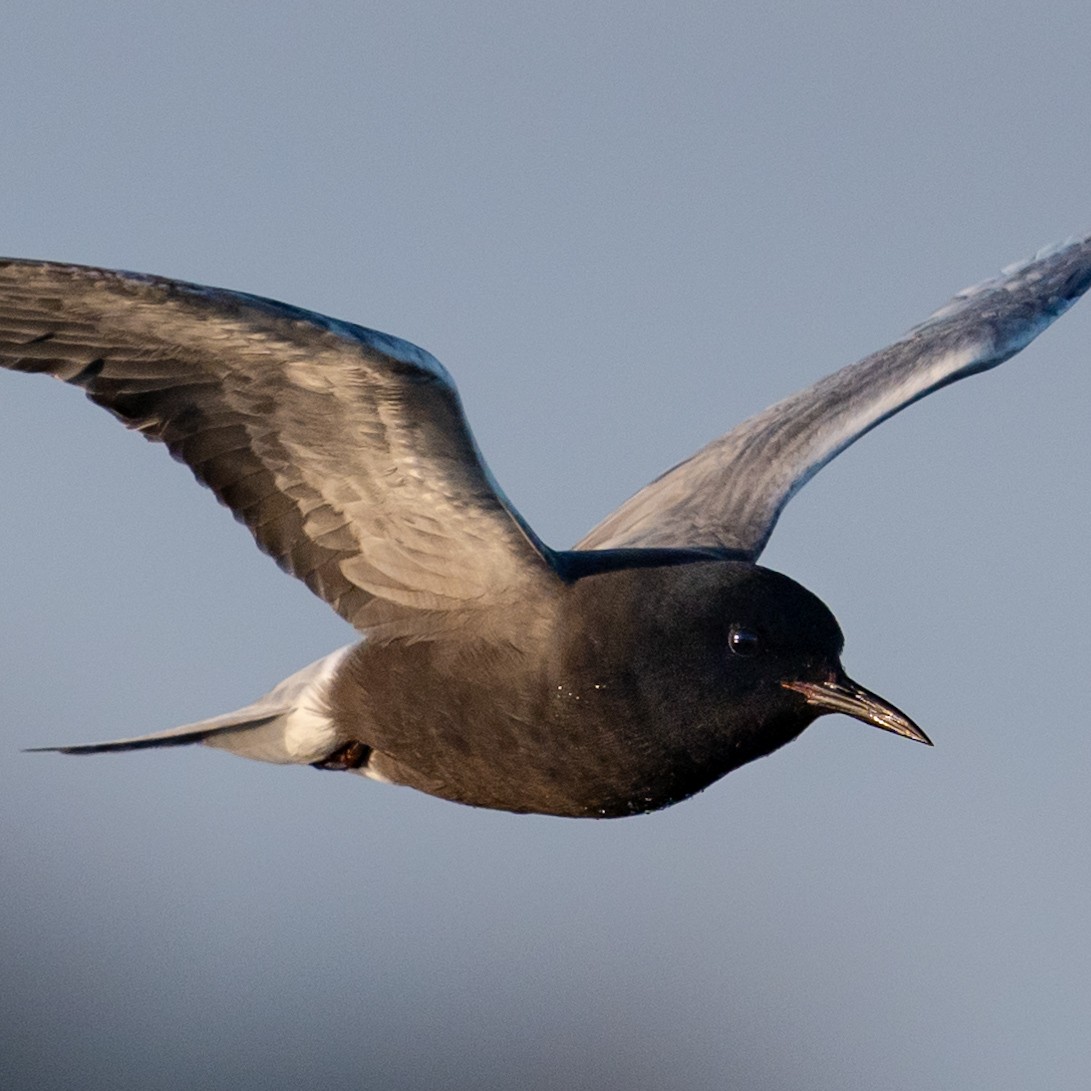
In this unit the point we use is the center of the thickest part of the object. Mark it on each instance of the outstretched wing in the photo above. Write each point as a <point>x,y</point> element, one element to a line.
<point>344,450</point>
<point>730,493</point>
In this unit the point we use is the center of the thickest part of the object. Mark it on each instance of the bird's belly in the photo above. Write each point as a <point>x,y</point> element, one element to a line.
<point>541,768</point>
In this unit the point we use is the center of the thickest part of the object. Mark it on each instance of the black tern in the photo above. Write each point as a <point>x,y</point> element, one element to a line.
<point>611,679</point>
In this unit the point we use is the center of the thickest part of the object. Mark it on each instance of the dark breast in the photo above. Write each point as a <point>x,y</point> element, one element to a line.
<point>611,698</point>
<point>494,727</point>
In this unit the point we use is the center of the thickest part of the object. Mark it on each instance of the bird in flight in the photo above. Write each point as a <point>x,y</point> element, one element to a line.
<point>611,679</point>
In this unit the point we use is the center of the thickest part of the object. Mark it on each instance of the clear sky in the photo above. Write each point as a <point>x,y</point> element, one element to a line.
<point>623,228</point>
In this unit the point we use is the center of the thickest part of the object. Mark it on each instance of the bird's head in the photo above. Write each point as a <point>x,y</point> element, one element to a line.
<point>731,659</point>
<point>782,649</point>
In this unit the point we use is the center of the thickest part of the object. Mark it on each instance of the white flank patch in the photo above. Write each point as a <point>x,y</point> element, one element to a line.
<point>372,773</point>
<point>299,731</point>
<point>309,733</point>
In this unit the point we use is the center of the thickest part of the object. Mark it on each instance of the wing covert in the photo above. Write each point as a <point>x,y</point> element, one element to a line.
<point>729,494</point>
<point>344,450</point>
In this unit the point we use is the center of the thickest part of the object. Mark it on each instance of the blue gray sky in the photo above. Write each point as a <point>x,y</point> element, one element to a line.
<point>623,230</point>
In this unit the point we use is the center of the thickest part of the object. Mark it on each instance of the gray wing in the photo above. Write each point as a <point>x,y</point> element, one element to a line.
<point>729,495</point>
<point>344,450</point>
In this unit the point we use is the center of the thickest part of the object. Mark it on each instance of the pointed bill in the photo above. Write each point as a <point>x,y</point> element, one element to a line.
<point>842,694</point>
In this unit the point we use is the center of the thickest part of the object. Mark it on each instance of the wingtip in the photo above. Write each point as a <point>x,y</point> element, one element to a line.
<point>52,749</point>
<point>1050,251</point>
<point>1065,267</point>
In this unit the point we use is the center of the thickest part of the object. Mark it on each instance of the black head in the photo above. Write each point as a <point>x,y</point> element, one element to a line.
<point>783,652</point>
<point>728,661</point>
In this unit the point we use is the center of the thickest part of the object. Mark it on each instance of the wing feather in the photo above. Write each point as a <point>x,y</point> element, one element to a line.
<point>729,495</point>
<point>344,450</point>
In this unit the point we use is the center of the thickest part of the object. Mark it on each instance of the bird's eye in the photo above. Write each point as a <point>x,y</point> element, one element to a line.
<point>743,641</point>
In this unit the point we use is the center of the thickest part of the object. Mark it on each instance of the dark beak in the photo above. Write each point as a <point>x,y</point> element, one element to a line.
<point>842,694</point>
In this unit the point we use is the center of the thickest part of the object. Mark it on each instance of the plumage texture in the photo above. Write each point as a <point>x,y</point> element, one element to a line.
<point>730,493</point>
<point>608,680</point>
<point>344,451</point>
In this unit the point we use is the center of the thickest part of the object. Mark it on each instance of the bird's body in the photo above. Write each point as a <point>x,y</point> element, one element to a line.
<point>613,679</point>
<point>572,720</point>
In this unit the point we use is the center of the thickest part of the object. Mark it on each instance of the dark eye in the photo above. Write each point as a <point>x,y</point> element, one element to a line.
<point>743,641</point>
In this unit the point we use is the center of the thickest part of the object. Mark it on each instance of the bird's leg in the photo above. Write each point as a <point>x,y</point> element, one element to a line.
<point>353,755</point>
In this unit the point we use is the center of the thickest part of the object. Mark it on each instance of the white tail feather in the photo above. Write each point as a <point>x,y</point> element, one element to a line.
<point>290,725</point>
